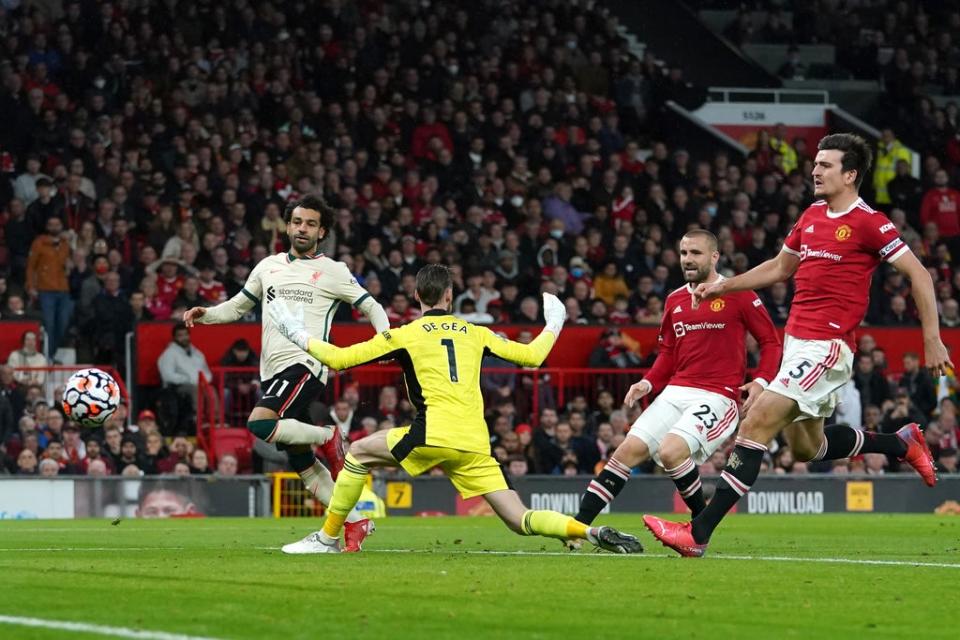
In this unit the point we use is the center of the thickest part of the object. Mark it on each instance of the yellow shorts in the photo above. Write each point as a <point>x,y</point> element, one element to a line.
<point>473,474</point>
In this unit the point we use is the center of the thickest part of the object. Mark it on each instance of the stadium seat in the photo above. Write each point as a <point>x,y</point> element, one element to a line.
<point>235,441</point>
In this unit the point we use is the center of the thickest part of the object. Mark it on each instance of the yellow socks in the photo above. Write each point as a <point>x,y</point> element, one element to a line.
<point>552,524</point>
<point>346,492</point>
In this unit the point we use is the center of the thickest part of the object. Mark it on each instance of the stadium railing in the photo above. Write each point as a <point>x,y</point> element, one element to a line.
<point>225,402</point>
<point>52,381</point>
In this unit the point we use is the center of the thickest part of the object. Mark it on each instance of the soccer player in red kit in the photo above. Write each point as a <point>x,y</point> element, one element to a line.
<point>699,377</point>
<point>833,249</point>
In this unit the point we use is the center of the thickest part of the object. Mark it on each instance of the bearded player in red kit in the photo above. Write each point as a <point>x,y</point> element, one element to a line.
<point>698,375</point>
<point>833,249</point>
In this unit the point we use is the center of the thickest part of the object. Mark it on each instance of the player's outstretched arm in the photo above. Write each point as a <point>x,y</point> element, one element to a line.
<point>291,325</point>
<point>374,312</point>
<point>776,269</point>
<point>346,287</point>
<point>229,311</point>
<point>935,353</point>
<point>533,354</point>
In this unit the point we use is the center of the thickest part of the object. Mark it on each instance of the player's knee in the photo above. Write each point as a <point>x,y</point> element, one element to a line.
<point>754,426</point>
<point>673,453</point>
<point>262,428</point>
<point>631,452</point>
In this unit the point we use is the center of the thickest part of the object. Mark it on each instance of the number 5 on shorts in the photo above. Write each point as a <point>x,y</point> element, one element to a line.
<point>801,370</point>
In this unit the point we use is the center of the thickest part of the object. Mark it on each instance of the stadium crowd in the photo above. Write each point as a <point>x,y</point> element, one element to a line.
<point>909,46</point>
<point>150,148</point>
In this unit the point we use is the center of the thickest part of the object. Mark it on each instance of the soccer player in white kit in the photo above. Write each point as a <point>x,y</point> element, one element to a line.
<point>832,251</point>
<point>292,379</point>
<point>698,375</point>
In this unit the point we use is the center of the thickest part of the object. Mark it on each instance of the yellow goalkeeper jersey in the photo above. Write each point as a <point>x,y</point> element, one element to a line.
<point>441,356</point>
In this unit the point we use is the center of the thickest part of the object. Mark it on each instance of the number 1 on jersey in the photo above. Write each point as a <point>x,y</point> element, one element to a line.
<point>451,359</point>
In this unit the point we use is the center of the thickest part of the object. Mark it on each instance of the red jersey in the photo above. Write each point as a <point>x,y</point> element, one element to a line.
<point>705,348</point>
<point>214,292</point>
<point>942,206</point>
<point>167,290</point>
<point>838,254</point>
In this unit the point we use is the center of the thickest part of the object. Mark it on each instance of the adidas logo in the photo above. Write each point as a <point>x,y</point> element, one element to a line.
<point>808,229</point>
<point>677,310</point>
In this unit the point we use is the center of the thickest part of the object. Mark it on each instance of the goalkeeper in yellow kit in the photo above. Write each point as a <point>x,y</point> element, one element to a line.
<point>440,356</point>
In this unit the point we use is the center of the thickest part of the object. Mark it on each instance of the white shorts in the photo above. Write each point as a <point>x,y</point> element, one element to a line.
<point>812,372</point>
<point>704,419</point>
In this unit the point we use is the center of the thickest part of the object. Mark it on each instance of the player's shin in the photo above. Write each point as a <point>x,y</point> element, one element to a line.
<point>840,441</point>
<point>602,490</point>
<point>319,483</point>
<point>346,492</point>
<point>743,467</point>
<point>291,431</point>
<point>687,478</point>
<point>554,525</point>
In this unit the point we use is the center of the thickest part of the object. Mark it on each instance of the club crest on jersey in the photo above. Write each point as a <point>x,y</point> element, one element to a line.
<point>717,305</point>
<point>843,233</point>
<point>784,381</point>
<point>315,276</point>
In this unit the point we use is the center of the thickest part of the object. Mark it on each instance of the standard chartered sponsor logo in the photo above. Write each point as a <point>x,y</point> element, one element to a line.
<point>296,294</point>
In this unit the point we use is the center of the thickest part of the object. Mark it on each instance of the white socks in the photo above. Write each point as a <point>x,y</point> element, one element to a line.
<point>290,431</point>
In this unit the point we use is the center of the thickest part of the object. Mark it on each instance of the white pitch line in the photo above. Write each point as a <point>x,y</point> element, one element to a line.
<point>564,554</point>
<point>567,554</point>
<point>75,549</point>
<point>84,627</point>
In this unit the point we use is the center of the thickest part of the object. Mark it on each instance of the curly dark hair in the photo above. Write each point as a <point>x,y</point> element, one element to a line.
<point>313,203</point>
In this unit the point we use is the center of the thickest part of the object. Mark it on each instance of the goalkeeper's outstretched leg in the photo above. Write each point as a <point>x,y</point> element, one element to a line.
<point>507,504</point>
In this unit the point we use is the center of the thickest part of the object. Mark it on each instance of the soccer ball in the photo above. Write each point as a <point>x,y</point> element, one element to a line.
<point>90,397</point>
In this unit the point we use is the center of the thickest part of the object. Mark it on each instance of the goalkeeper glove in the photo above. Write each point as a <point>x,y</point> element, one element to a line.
<point>554,313</point>
<point>289,324</point>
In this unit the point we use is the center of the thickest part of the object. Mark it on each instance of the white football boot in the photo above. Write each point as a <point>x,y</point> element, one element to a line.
<point>313,543</point>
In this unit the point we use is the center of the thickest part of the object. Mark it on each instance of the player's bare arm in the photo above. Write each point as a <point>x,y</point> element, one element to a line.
<point>763,275</point>
<point>190,316</point>
<point>935,352</point>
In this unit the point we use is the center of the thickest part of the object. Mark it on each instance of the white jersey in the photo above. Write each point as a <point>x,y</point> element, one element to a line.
<point>317,283</point>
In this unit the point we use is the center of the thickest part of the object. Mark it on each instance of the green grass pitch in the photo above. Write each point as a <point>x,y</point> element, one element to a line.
<point>448,577</point>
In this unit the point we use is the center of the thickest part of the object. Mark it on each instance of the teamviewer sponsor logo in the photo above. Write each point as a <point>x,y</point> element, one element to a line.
<point>806,252</point>
<point>680,329</point>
